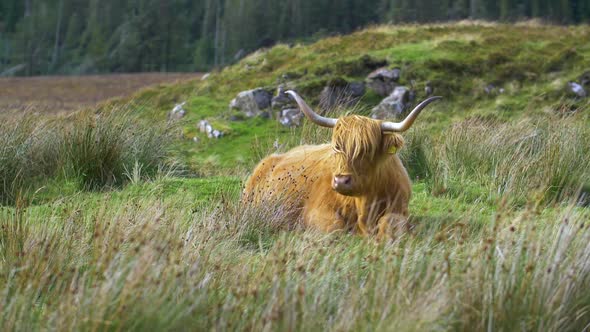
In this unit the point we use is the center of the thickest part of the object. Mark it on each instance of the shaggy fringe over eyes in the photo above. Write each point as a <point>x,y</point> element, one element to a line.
<point>357,137</point>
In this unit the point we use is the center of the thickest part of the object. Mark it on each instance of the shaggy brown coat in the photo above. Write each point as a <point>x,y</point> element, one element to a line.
<point>302,180</point>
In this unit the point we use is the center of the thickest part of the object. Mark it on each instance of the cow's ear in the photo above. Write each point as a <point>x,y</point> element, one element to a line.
<point>392,143</point>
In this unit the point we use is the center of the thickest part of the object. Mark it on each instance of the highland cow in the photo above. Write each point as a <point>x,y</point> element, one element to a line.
<point>357,182</point>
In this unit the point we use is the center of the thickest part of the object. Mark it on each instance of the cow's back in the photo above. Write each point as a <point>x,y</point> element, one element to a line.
<point>287,178</point>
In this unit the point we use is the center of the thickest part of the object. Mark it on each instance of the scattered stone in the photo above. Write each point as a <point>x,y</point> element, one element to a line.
<point>265,115</point>
<point>282,101</point>
<point>177,112</point>
<point>383,80</point>
<point>251,102</point>
<point>341,93</point>
<point>577,89</point>
<point>196,139</point>
<point>489,89</point>
<point>204,126</point>
<point>262,98</point>
<point>290,117</point>
<point>215,134</point>
<point>393,105</point>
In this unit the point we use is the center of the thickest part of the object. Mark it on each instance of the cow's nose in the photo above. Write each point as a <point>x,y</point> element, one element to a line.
<point>342,182</point>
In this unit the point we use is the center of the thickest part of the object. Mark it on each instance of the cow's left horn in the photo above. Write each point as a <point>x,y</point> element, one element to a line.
<point>313,116</point>
<point>388,126</point>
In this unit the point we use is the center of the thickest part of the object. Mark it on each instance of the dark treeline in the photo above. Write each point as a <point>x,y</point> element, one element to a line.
<point>95,36</point>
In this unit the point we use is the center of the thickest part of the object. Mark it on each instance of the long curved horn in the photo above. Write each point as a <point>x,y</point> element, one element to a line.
<point>388,126</point>
<point>313,116</point>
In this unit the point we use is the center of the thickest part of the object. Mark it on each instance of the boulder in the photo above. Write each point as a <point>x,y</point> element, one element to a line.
<point>282,101</point>
<point>251,102</point>
<point>290,117</point>
<point>383,80</point>
<point>394,105</point>
<point>341,93</point>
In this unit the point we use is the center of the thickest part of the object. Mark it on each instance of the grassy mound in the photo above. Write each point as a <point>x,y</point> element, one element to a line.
<point>530,63</point>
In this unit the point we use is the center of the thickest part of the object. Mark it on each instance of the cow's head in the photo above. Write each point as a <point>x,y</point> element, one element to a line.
<point>361,145</point>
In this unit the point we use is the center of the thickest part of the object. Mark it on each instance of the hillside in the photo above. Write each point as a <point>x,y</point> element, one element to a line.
<point>531,63</point>
<point>116,218</point>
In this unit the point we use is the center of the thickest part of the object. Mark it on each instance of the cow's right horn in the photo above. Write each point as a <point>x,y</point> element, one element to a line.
<point>313,116</point>
<point>388,126</point>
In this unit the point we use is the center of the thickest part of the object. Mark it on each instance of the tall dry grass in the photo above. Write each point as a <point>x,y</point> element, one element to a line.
<point>153,263</point>
<point>96,150</point>
<point>547,158</point>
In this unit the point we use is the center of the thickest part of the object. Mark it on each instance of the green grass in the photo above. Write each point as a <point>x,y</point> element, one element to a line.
<point>146,258</point>
<point>531,62</point>
<point>496,242</point>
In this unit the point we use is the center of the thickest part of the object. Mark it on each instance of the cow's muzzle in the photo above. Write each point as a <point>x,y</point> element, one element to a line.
<point>342,184</point>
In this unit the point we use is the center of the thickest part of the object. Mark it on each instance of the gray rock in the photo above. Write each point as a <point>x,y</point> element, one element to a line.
<point>394,105</point>
<point>577,89</point>
<point>203,126</point>
<point>396,73</point>
<point>215,134</point>
<point>206,128</point>
<point>341,93</point>
<point>177,112</point>
<point>251,102</point>
<point>281,100</point>
<point>290,117</point>
<point>357,89</point>
<point>383,80</point>
<point>262,98</point>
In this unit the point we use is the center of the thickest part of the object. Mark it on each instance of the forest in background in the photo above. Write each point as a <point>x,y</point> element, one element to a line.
<point>74,37</point>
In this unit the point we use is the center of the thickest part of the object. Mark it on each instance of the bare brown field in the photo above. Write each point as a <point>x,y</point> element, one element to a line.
<point>58,94</point>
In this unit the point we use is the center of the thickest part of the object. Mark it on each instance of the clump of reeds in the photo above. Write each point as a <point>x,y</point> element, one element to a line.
<point>96,150</point>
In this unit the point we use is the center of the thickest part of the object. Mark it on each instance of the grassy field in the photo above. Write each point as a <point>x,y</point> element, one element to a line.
<point>114,219</point>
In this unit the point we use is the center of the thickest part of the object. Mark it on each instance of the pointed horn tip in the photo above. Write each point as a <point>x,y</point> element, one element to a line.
<point>434,98</point>
<point>291,93</point>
